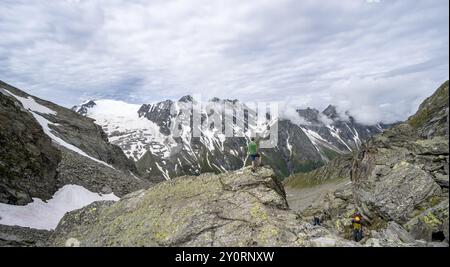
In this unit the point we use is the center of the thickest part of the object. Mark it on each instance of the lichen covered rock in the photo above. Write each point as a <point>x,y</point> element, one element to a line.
<point>233,209</point>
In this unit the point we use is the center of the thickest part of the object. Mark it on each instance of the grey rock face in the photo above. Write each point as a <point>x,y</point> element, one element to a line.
<point>397,171</point>
<point>233,209</point>
<point>432,224</point>
<point>28,161</point>
<point>13,236</point>
<point>398,190</point>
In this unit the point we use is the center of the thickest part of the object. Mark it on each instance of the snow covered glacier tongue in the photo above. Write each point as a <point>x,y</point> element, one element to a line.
<point>167,141</point>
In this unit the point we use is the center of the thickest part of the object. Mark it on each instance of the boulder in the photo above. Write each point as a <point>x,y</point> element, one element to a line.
<point>233,209</point>
<point>14,236</point>
<point>432,224</point>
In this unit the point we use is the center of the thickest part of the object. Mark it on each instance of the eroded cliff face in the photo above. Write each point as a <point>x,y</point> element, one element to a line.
<point>233,209</point>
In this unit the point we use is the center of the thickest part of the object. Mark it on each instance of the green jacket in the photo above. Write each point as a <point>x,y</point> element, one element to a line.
<point>252,148</point>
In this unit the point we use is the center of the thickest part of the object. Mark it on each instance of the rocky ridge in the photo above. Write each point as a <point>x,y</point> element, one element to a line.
<point>235,209</point>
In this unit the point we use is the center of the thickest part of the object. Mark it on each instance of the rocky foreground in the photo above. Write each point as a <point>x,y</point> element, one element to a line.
<point>234,209</point>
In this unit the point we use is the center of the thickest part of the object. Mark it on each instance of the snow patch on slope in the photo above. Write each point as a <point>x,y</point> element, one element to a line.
<point>46,215</point>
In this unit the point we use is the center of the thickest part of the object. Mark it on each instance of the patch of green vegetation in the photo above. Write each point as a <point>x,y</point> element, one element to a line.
<point>330,154</point>
<point>378,224</point>
<point>421,118</point>
<point>431,106</point>
<point>435,200</point>
<point>431,220</point>
<point>204,165</point>
<point>277,163</point>
<point>308,166</point>
<point>308,180</point>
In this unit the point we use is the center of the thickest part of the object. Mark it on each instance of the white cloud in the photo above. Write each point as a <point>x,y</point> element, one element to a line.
<point>368,58</point>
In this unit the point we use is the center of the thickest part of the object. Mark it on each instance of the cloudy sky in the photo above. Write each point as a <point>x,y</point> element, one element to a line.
<point>377,58</point>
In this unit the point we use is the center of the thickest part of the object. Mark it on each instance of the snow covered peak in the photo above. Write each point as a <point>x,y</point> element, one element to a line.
<point>126,126</point>
<point>115,108</point>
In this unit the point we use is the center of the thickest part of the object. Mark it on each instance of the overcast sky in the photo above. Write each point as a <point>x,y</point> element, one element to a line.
<point>376,58</point>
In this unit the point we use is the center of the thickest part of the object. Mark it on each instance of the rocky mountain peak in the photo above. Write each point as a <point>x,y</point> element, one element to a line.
<point>215,100</point>
<point>310,114</point>
<point>186,99</point>
<point>331,112</point>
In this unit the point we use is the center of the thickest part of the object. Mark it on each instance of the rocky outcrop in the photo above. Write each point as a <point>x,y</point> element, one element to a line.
<point>404,169</point>
<point>233,209</point>
<point>13,236</point>
<point>401,174</point>
<point>28,161</point>
<point>432,224</point>
<point>398,180</point>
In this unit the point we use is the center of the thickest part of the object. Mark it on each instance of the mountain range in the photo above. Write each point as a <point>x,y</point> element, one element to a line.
<point>144,133</point>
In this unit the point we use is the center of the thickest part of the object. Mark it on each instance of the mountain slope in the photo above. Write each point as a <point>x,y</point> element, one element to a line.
<point>328,131</point>
<point>48,147</point>
<point>28,161</point>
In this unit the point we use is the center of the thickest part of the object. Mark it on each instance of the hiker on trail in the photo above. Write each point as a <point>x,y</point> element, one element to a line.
<point>357,221</point>
<point>254,155</point>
